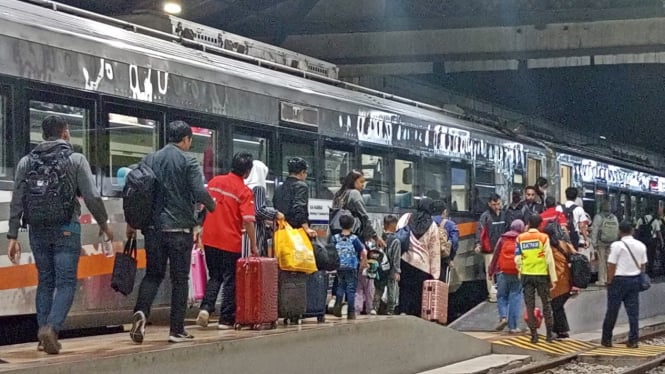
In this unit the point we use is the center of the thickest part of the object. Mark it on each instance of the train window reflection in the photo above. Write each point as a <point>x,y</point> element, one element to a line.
<point>337,164</point>
<point>405,180</point>
<point>306,152</point>
<point>130,139</point>
<point>376,192</point>
<point>203,148</point>
<point>77,119</point>
<point>257,146</point>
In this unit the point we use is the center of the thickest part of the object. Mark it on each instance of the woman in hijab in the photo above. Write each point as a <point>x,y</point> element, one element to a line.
<point>265,215</point>
<point>561,250</point>
<point>423,259</point>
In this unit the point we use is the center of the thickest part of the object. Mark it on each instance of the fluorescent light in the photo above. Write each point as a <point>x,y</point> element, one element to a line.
<point>603,137</point>
<point>172,7</point>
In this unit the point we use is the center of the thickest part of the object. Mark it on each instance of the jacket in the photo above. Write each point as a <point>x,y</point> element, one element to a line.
<point>292,199</point>
<point>425,253</point>
<point>79,173</point>
<point>355,203</point>
<point>563,272</point>
<point>394,252</point>
<point>180,187</point>
<point>496,225</point>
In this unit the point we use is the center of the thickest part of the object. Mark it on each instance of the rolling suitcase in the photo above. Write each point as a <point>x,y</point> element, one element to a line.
<point>256,291</point>
<point>435,301</point>
<point>292,298</point>
<point>317,293</point>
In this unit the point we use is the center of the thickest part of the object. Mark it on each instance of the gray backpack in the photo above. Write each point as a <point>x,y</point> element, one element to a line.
<point>609,229</point>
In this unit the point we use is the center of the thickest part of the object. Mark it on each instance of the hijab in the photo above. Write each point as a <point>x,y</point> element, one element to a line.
<point>421,220</point>
<point>517,225</point>
<point>257,177</point>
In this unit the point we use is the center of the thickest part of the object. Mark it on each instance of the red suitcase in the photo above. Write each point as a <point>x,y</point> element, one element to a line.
<point>256,292</point>
<point>435,301</point>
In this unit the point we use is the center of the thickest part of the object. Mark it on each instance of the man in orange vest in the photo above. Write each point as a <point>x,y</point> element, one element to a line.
<point>535,261</point>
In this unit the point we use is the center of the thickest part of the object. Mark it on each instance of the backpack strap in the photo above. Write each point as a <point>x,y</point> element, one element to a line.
<point>631,255</point>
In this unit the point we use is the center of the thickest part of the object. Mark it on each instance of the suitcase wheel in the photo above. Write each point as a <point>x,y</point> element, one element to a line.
<point>273,325</point>
<point>256,326</point>
<point>237,326</point>
<point>321,318</point>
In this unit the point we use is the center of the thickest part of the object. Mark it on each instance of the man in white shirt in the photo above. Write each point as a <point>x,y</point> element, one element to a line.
<point>580,235</point>
<point>623,283</point>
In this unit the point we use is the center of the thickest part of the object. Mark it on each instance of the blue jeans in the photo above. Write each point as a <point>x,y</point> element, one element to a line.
<point>509,298</point>
<point>624,290</point>
<point>347,283</point>
<point>56,252</point>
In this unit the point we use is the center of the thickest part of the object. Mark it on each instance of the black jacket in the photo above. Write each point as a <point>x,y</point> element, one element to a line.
<point>292,199</point>
<point>181,187</point>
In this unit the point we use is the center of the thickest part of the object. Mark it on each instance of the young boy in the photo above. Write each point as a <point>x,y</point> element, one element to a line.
<point>350,249</point>
<point>393,252</point>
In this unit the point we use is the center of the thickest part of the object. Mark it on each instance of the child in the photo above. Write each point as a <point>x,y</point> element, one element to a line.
<point>349,249</point>
<point>390,278</point>
<point>365,290</point>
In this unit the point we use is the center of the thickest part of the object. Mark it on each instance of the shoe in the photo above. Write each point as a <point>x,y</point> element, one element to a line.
<point>49,340</point>
<point>40,346</point>
<point>632,345</point>
<point>502,324</point>
<point>515,331</point>
<point>534,337</point>
<point>202,319</point>
<point>138,327</point>
<point>224,326</point>
<point>606,344</point>
<point>180,338</point>
<point>337,310</point>
<point>549,338</point>
<point>562,335</point>
<point>372,312</point>
<point>351,315</point>
<point>491,300</point>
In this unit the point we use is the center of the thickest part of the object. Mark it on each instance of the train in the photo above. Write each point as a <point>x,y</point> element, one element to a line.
<point>118,84</point>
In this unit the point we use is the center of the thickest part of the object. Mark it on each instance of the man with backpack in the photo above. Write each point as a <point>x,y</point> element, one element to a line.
<point>577,219</point>
<point>49,206</point>
<point>179,182</point>
<point>605,231</point>
<point>649,232</point>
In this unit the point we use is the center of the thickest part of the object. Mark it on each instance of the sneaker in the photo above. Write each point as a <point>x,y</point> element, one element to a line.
<point>351,315</point>
<point>632,345</point>
<point>225,325</point>
<point>562,335</point>
<point>337,311</point>
<point>515,331</point>
<point>202,319</point>
<point>138,327</point>
<point>180,338</point>
<point>502,324</point>
<point>372,312</point>
<point>606,344</point>
<point>49,340</point>
<point>40,346</point>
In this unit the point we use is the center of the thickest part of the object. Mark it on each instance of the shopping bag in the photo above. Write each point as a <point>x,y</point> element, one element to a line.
<point>293,249</point>
<point>198,274</point>
<point>124,269</point>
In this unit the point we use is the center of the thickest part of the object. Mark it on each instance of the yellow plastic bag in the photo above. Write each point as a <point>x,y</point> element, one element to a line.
<point>293,249</point>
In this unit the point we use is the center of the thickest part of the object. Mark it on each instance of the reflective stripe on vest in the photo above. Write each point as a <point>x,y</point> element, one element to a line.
<point>532,245</point>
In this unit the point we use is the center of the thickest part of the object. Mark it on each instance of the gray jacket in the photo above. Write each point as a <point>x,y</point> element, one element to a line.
<point>354,202</point>
<point>83,182</point>
<point>181,187</point>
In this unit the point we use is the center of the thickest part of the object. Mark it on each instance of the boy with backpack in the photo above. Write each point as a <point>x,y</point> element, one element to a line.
<point>389,279</point>
<point>351,253</point>
<point>605,231</point>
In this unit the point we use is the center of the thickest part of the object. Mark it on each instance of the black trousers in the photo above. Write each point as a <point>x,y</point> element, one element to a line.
<point>222,275</point>
<point>411,289</point>
<point>559,314</point>
<point>540,284</point>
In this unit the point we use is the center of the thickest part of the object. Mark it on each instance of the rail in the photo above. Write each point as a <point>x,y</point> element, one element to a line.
<point>542,366</point>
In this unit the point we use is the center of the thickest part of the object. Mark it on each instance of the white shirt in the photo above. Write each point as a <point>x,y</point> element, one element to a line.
<point>625,266</point>
<point>579,215</point>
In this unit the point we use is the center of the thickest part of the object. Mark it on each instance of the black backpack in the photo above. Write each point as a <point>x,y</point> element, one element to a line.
<point>138,197</point>
<point>572,232</point>
<point>50,198</point>
<point>644,231</point>
<point>326,256</point>
<point>580,269</point>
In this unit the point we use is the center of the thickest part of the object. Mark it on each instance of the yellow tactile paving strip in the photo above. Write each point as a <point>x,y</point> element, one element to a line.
<point>558,347</point>
<point>621,350</point>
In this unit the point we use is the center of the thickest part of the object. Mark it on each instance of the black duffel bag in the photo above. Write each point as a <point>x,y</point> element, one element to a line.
<point>326,256</point>
<point>124,269</point>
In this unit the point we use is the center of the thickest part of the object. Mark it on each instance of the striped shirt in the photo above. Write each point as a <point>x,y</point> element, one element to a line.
<point>265,216</point>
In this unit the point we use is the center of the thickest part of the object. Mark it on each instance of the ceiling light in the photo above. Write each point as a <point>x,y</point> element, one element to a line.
<point>603,137</point>
<point>172,6</point>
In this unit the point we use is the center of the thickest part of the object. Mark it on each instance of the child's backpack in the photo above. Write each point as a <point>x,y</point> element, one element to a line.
<point>381,259</point>
<point>373,270</point>
<point>609,229</point>
<point>348,258</point>
<point>645,230</point>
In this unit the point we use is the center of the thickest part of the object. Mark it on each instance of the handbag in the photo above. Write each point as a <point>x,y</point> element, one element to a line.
<point>335,214</point>
<point>124,269</point>
<point>645,281</point>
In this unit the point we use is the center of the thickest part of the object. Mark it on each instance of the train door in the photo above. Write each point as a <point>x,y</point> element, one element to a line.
<point>565,181</point>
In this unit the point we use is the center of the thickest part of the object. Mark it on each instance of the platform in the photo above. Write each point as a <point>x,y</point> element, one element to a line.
<point>396,344</point>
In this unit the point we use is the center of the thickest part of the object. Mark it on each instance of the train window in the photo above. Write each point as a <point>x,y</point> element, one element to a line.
<point>459,189</point>
<point>337,164</point>
<point>257,146</point>
<point>533,171</point>
<point>4,161</point>
<point>406,178</point>
<point>305,151</point>
<point>376,192</point>
<point>77,119</point>
<point>203,148</point>
<point>484,188</point>
<point>130,139</point>
<point>437,180</point>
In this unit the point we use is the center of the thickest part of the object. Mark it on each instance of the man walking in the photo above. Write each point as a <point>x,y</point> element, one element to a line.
<point>605,231</point>
<point>51,210</point>
<point>180,182</point>
<point>626,261</point>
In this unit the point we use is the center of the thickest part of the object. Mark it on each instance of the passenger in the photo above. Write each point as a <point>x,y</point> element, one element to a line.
<point>423,259</point>
<point>623,284</point>
<point>652,240</point>
<point>490,228</point>
<point>515,210</point>
<point>552,214</point>
<point>170,241</point>
<point>541,189</point>
<point>509,287</point>
<point>347,275</point>
<point>531,204</point>
<point>561,251</point>
<point>292,197</point>
<point>222,239</point>
<point>577,229</point>
<point>442,220</point>
<point>365,288</point>
<point>55,243</point>
<point>535,263</point>
<point>391,281</point>
<point>605,231</point>
<point>349,197</point>
<point>265,215</point>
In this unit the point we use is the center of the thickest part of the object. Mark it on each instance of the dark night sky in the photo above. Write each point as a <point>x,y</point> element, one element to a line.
<point>622,102</point>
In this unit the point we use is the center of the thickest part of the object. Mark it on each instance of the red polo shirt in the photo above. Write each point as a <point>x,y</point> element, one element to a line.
<point>222,229</point>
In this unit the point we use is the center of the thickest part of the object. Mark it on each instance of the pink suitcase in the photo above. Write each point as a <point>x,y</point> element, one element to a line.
<point>435,301</point>
<point>256,292</point>
<point>199,274</point>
